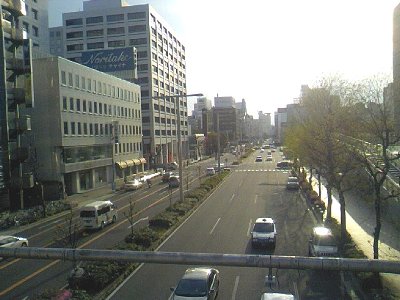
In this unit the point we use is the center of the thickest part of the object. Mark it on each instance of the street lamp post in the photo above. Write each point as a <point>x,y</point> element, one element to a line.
<point>177,110</point>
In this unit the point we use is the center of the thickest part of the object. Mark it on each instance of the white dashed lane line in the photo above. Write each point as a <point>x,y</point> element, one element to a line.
<point>215,225</point>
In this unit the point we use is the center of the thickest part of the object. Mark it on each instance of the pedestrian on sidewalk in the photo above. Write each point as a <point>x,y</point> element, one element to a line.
<point>148,180</point>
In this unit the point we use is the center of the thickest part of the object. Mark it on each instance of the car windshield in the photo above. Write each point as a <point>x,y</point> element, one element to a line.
<point>325,240</point>
<point>191,288</point>
<point>264,227</point>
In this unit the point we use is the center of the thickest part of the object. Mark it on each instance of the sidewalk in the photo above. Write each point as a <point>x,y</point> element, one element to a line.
<point>360,218</point>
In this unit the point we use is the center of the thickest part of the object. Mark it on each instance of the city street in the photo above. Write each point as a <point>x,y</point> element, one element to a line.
<point>223,224</point>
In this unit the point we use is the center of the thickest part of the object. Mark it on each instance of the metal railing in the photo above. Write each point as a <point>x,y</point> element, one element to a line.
<point>214,259</point>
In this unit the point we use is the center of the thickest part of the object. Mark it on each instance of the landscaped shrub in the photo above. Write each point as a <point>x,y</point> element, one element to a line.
<point>143,237</point>
<point>163,220</point>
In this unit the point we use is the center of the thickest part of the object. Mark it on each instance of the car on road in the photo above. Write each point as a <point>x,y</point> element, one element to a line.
<point>285,165</point>
<point>166,176</point>
<point>171,166</point>
<point>174,181</point>
<point>277,296</point>
<point>259,158</point>
<point>292,183</point>
<point>221,166</point>
<point>197,283</point>
<point>269,158</point>
<point>322,242</point>
<point>8,241</point>
<point>264,233</point>
<point>133,185</point>
<point>210,171</point>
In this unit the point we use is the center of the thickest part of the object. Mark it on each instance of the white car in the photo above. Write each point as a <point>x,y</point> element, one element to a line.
<point>276,296</point>
<point>133,185</point>
<point>259,159</point>
<point>210,171</point>
<point>197,283</point>
<point>263,233</point>
<point>322,243</point>
<point>9,241</point>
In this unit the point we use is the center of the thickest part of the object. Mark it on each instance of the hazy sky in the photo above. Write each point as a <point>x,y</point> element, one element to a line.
<point>264,50</point>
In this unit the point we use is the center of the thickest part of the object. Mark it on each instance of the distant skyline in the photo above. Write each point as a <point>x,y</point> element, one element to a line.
<point>263,51</point>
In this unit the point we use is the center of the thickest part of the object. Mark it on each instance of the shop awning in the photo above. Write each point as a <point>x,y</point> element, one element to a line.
<point>121,164</point>
<point>143,160</point>
<point>137,162</point>
<point>130,163</point>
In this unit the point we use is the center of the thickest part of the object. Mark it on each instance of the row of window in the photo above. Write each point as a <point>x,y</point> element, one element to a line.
<point>164,132</point>
<point>108,18</point>
<point>99,129</point>
<point>123,148</point>
<point>98,87</point>
<point>163,29</point>
<point>110,31</point>
<point>94,107</point>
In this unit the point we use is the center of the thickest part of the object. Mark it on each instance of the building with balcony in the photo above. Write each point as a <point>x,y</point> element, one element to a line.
<point>161,65</point>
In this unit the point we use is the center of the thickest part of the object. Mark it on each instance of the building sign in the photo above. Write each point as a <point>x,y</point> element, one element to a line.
<point>112,60</point>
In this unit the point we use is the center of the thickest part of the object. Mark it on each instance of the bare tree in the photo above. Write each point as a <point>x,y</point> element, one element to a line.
<point>378,133</point>
<point>131,216</point>
<point>69,231</point>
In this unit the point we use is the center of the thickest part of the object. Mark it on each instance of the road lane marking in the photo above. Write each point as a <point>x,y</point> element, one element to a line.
<point>249,228</point>
<point>241,182</point>
<point>235,288</point>
<point>255,199</point>
<point>140,220</point>
<point>233,196</point>
<point>286,231</point>
<point>49,224</point>
<point>215,225</point>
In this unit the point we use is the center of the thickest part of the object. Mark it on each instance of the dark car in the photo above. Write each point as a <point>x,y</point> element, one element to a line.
<point>285,165</point>
<point>166,176</point>
<point>197,283</point>
<point>174,181</point>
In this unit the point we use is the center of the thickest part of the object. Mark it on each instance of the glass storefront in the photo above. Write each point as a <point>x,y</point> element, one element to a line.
<point>89,153</point>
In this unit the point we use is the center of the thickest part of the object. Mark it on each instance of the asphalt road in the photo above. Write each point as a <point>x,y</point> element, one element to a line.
<point>222,224</point>
<point>22,278</point>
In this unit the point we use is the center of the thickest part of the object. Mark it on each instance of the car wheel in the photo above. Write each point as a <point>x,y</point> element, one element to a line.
<point>24,245</point>
<point>102,225</point>
<point>114,219</point>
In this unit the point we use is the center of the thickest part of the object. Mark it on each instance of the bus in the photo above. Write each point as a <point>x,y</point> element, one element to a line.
<point>98,214</point>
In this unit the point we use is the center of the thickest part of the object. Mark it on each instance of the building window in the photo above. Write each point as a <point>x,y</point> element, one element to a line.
<point>106,129</point>
<point>137,15</point>
<point>94,33</point>
<point>65,107</point>
<point>91,129</point>
<point>89,85</point>
<point>73,128</point>
<point>141,54</point>
<point>94,20</point>
<point>96,129</point>
<point>65,127</point>
<point>84,106</point>
<point>71,104</point>
<point>95,107</point>
<point>137,28</point>
<point>101,129</point>
<point>100,109</point>
<point>63,78</point>
<point>97,45</point>
<point>25,27</point>
<point>73,22</point>
<point>83,80</point>
<point>115,18</point>
<point>79,128</point>
<point>90,107</point>
<point>70,81</point>
<point>85,132</point>
<point>35,31</point>
<point>78,105</point>
<point>117,30</point>
<point>75,47</point>
<point>113,44</point>
<point>74,35</point>
<point>137,42</point>
<point>77,81</point>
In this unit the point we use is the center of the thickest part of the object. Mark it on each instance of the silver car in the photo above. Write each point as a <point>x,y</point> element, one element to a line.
<point>197,283</point>
<point>9,241</point>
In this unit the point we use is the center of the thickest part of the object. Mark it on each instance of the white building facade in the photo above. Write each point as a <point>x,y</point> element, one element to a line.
<point>93,130</point>
<point>161,65</point>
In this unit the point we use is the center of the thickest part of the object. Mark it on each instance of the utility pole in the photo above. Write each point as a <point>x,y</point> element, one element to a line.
<point>177,106</point>
<point>218,144</point>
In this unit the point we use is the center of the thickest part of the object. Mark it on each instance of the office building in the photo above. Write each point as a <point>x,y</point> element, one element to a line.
<point>226,102</point>
<point>96,129</point>
<point>161,65</point>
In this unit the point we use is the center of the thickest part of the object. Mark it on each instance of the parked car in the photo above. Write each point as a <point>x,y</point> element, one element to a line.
<point>197,283</point>
<point>264,232</point>
<point>171,166</point>
<point>292,183</point>
<point>133,185</point>
<point>322,242</point>
<point>166,176</point>
<point>259,159</point>
<point>174,181</point>
<point>9,241</point>
<point>269,158</point>
<point>210,171</point>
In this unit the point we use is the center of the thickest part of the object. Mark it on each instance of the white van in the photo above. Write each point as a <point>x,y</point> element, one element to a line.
<point>98,214</point>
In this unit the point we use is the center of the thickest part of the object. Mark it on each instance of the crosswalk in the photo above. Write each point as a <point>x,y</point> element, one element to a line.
<point>263,170</point>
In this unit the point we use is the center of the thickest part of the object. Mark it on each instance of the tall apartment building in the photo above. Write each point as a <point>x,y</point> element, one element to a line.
<point>36,24</point>
<point>161,64</point>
